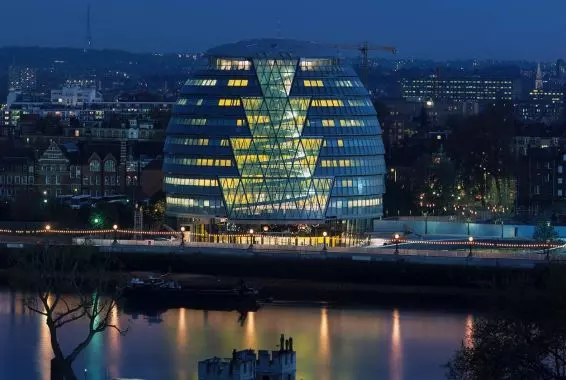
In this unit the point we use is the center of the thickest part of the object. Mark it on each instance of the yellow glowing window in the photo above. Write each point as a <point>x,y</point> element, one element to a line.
<point>228,102</point>
<point>340,142</point>
<point>237,83</point>
<point>327,103</point>
<point>239,122</point>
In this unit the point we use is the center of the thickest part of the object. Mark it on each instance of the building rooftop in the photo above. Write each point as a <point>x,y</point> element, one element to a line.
<point>273,48</point>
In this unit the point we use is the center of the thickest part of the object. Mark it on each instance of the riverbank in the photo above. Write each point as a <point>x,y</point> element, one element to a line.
<point>307,279</point>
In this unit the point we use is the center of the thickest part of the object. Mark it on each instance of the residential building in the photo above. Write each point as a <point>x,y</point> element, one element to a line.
<point>17,171</point>
<point>541,179</point>
<point>75,96</point>
<point>53,175</point>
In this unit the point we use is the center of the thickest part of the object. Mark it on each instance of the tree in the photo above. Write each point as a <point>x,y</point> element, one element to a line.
<point>50,274</point>
<point>523,338</point>
<point>545,232</point>
<point>480,146</point>
<point>437,186</point>
<point>155,211</point>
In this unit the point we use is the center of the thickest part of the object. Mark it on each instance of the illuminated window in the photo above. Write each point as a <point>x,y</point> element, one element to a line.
<point>94,166</point>
<point>109,166</point>
<point>328,123</point>
<point>192,122</point>
<point>315,64</point>
<point>229,102</point>
<point>237,83</point>
<point>201,82</point>
<point>198,161</point>
<point>194,203</point>
<point>189,102</point>
<point>327,103</point>
<point>191,182</point>
<point>313,83</point>
<point>233,64</point>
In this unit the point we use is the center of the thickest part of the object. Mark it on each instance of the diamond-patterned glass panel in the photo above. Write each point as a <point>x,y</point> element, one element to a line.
<point>276,164</point>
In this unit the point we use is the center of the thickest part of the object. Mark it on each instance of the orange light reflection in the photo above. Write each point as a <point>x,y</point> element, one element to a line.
<point>396,356</point>
<point>250,332</point>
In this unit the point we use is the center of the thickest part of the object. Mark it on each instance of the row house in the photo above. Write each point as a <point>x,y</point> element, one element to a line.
<point>69,168</point>
<point>53,174</point>
<point>17,172</point>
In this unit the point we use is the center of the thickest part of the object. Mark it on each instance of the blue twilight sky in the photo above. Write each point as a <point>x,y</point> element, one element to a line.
<point>499,29</point>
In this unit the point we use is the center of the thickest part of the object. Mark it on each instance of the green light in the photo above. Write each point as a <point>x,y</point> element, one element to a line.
<point>96,220</point>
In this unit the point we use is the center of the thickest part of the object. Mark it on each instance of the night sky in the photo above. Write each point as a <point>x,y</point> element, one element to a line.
<point>438,29</point>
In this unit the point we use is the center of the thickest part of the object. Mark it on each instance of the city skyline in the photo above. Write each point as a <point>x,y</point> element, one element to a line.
<point>169,26</point>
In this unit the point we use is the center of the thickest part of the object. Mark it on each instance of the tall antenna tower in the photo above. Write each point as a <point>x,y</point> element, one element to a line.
<point>88,30</point>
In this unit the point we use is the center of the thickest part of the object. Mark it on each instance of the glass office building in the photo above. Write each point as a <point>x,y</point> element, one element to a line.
<point>274,132</point>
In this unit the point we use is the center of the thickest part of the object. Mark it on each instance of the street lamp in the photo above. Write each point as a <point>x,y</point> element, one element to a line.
<point>547,250</point>
<point>48,228</point>
<point>115,228</point>
<point>265,229</point>
<point>251,232</point>
<point>182,236</point>
<point>324,234</point>
<point>396,243</point>
<point>471,241</point>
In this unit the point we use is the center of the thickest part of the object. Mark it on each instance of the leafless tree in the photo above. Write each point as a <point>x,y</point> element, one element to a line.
<point>67,285</point>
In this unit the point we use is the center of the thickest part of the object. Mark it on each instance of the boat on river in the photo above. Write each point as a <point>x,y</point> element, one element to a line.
<point>158,293</point>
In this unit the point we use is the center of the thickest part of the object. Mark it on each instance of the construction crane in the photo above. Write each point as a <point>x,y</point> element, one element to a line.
<point>364,49</point>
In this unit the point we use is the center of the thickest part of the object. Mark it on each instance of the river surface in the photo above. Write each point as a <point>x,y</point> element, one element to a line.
<point>332,343</point>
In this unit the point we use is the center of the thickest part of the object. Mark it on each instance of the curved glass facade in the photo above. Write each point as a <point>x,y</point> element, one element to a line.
<point>264,134</point>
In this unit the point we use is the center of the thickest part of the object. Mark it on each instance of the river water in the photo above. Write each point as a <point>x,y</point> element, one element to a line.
<point>332,343</point>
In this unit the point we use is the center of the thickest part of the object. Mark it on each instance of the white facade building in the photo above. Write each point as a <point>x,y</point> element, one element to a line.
<point>75,95</point>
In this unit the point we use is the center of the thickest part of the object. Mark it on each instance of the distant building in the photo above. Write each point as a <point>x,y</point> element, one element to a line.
<point>405,119</point>
<point>75,96</point>
<point>53,172</point>
<point>544,106</point>
<point>246,365</point>
<point>22,79</point>
<point>541,179</point>
<point>101,120</point>
<point>17,171</point>
<point>459,89</point>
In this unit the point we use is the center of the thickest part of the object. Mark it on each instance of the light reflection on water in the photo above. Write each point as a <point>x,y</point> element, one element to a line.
<point>396,356</point>
<point>331,343</point>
